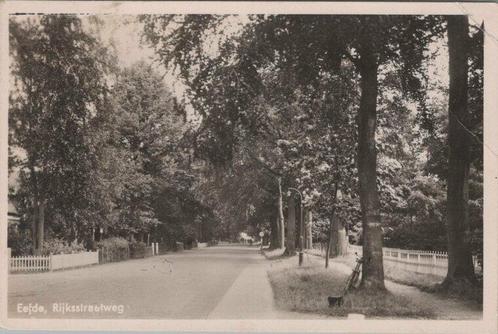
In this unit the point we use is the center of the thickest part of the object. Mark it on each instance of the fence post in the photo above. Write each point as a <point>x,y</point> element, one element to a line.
<point>50,262</point>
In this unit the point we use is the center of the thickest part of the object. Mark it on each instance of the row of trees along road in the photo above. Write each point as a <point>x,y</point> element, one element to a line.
<point>95,150</point>
<point>301,97</point>
<point>339,107</point>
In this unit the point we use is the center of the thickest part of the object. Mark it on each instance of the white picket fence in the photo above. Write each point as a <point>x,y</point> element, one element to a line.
<point>423,262</point>
<point>52,262</point>
<point>29,263</point>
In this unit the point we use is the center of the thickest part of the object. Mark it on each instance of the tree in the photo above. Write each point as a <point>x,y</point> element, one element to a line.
<point>313,46</point>
<point>290,247</point>
<point>57,97</point>
<point>145,130</point>
<point>460,265</point>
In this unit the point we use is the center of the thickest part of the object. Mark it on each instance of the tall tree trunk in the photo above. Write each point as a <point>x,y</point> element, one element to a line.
<point>329,243</point>
<point>34,228</point>
<point>40,235</point>
<point>291,227</point>
<point>373,271</point>
<point>332,218</point>
<point>339,241</point>
<point>36,204</point>
<point>309,229</point>
<point>274,234</point>
<point>281,213</point>
<point>460,266</point>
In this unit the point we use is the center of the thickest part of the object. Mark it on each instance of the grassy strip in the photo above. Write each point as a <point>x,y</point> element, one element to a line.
<point>306,288</point>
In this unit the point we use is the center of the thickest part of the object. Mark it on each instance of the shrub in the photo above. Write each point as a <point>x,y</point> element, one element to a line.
<point>59,246</point>
<point>114,243</point>
<point>113,249</point>
<point>137,249</point>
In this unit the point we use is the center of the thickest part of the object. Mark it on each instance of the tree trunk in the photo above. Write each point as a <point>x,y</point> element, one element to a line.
<point>339,241</point>
<point>36,205</point>
<point>460,266</point>
<point>281,213</point>
<point>373,271</point>
<point>291,227</point>
<point>332,217</point>
<point>309,229</point>
<point>34,228</point>
<point>274,234</point>
<point>40,228</point>
<point>329,243</point>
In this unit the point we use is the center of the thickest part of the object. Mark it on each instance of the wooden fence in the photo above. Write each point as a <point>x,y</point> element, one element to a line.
<point>103,255</point>
<point>423,262</point>
<point>52,262</point>
<point>29,263</point>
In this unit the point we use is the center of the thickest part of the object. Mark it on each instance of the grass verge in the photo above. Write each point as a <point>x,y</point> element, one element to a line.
<point>306,288</point>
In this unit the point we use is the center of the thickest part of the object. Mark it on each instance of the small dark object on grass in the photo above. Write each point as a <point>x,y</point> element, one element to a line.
<point>336,301</point>
<point>351,282</point>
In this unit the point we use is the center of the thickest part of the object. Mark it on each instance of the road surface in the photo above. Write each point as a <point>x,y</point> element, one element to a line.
<point>209,283</point>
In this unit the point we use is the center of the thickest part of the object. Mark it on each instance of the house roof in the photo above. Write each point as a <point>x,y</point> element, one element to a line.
<point>12,211</point>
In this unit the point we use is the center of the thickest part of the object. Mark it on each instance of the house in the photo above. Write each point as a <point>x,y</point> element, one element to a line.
<point>13,217</point>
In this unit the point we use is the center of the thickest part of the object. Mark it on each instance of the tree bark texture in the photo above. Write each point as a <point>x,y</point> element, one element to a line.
<point>281,213</point>
<point>373,271</point>
<point>274,234</point>
<point>332,218</point>
<point>34,228</point>
<point>41,228</point>
<point>339,244</point>
<point>460,266</point>
<point>309,229</point>
<point>291,227</point>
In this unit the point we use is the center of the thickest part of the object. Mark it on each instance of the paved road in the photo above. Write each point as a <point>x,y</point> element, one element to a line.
<point>218,282</point>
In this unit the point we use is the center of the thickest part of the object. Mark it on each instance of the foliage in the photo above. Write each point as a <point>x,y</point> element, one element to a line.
<point>57,96</point>
<point>113,243</point>
<point>138,249</point>
<point>58,246</point>
<point>276,96</point>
